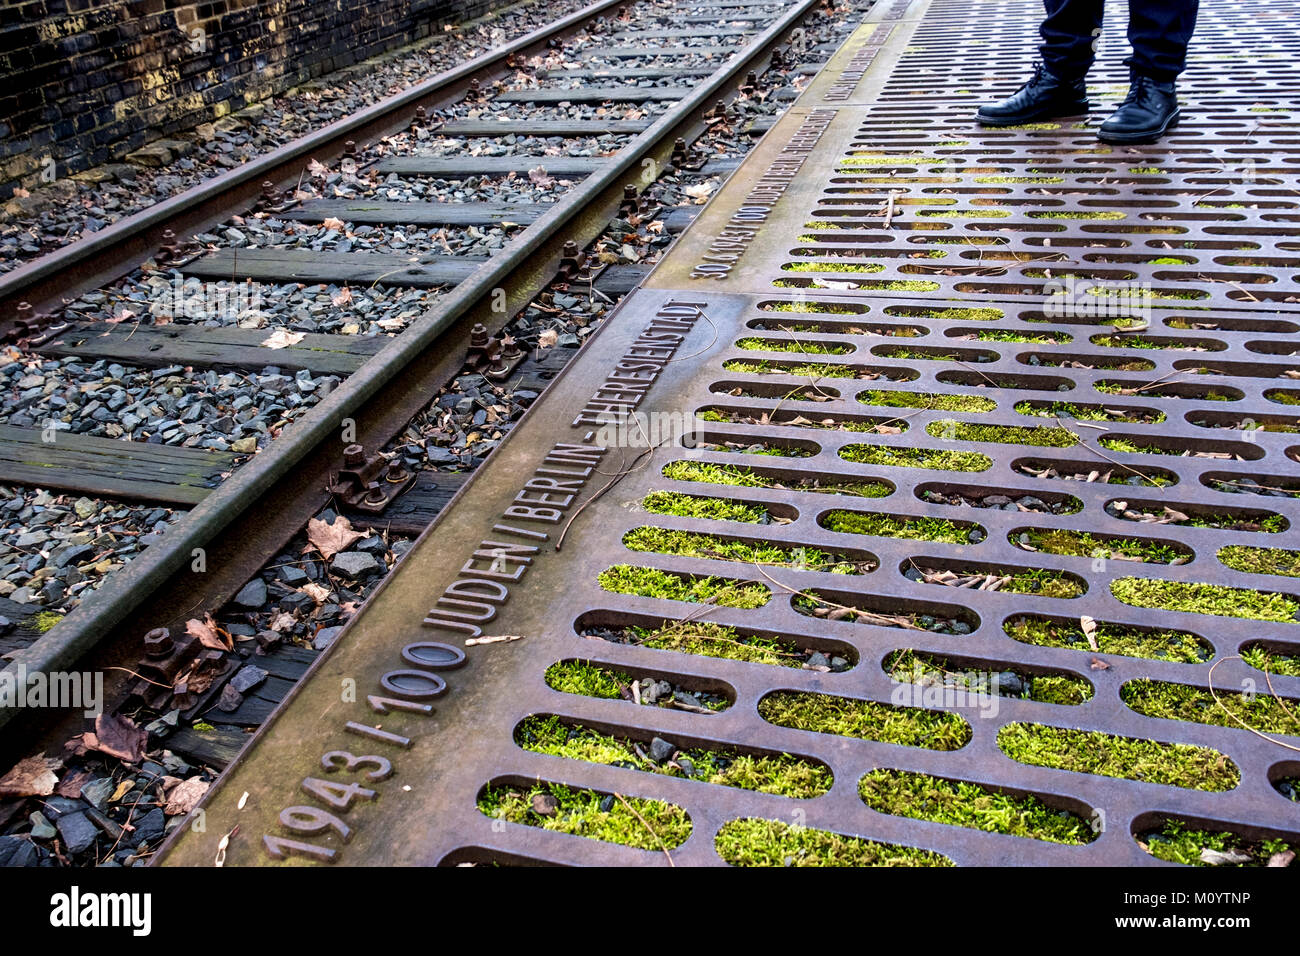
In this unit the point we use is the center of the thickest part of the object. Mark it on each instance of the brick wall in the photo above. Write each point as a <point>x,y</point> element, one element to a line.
<point>83,82</point>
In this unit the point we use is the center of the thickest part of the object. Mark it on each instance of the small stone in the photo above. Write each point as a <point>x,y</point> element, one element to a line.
<point>325,637</point>
<point>42,829</point>
<point>544,805</point>
<point>77,831</point>
<point>252,595</point>
<point>151,827</point>
<point>18,851</point>
<point>1010,685</point>
<point>687,766</point>
<point>97,792</point>
<point>661,750</point>
<point>818,660</point>
<point>249,676</point>
<point>229,700</point>
<point>607,803</point>
<point>355,564</point>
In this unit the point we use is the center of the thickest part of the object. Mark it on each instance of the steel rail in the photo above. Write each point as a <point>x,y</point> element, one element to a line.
<point>104,256</point>
<point>529,260</point>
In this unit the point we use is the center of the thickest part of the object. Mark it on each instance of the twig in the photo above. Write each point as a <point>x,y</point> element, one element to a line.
<point>1258,733</point>
<point>649,829</point>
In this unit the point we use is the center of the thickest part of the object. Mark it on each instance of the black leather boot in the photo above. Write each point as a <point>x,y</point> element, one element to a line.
<point>1150,109</point>
<point>1045,96</point>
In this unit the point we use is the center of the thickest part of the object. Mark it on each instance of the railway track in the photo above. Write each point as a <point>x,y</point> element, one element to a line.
<point>648,84</point>
<point>622,648</point>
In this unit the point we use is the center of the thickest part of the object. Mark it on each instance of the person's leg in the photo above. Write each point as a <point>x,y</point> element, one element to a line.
<point>1159,33</point>
<point>1069,33</point>
<point>1057,87</point>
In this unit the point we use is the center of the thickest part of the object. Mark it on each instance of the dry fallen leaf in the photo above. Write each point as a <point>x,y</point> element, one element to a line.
<point>343,298</point>
<point>185,796</point>
<point>317,168</point>
<point>330,539</point>
<point>33,777</point>
<point>1089,631</point>
<point>332,223</point>
<point>119,737</point>
<point>547,339</point>
<point>538,177</point>
<point>317,592</point>
<point>1099,665</point>
<point>281,338</point>
<point>282,622</point>
<point>208,633</point>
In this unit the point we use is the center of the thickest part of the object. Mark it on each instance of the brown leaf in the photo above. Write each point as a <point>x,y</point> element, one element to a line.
<point>332,223</point>
<point>547,339</point>
<point>330,539</point>
<point>1089,627</point>
<point>1099,665</point>
<point>1284,858</point>
<point>119,737</point>
<point>209,634</point>
<point>185,796</point>
<point>33,777</point>
<point>70,786</point>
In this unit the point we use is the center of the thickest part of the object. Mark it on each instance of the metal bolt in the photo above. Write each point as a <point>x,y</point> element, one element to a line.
<point>478,336</point>
<point>158,643</point>
<point>375,495</point>
<point>350,149</point>
<point>354,455</point>
<point>421,115</point>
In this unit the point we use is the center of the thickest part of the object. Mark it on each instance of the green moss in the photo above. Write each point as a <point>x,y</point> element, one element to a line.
<point>909,667</point>
<point>1036,581</point>
<point>1035,338</point>
<point>767,449</point>
<point>1144,170</point>
<point>1118,639</point>
<point>832,267</point>
<point>579,812</point>
<point>1082,544</point>
<point>1282,396</point>
<point>586,680</point>
<point>901,457</point>
<point>651,582</point>
<point>867,159</point>
<point>1177,843</point>
<point>808,370</point>
<point>967,314</point>
<point>795,421</point>
<point>1004,434</point>
<point>1088,413</point>
<point>773,843</point>
<point>1261,560</point>
<point>42,621</point>
<point>1041,180</point>
<point>1078,214</point>
<point>957,803</point>
<point>706,639</point>
<point>902,352</point>
<point>1142,342</point>
<point>909,529</point>
<point>1197,598</point>
<point>696,506</point>
<point>779,774</point>
<point>754,344</point>
<point>1262,712</point>
<point>1085,751</point>
<point>826,308</point>
<point>964,213</point>
<point>865,720</point>
<point>743,477</point>
<point>929,400</point>
<point>691,544</point>
<point>1271,662</point>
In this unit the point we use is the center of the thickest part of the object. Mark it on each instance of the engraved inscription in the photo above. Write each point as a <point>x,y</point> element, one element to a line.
<point>730,244</point>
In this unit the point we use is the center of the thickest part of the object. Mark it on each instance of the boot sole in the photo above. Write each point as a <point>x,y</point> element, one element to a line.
<point>1146,136</point>
<point>1064,112</point>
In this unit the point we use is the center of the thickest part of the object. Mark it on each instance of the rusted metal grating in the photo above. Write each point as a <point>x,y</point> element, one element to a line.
<point>1152,397</point>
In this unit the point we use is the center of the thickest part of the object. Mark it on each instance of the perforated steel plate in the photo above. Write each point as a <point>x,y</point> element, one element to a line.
<point>995,268</point>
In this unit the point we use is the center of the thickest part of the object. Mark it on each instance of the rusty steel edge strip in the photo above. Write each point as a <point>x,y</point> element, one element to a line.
<point>81,629</point>
<point>120,245</point>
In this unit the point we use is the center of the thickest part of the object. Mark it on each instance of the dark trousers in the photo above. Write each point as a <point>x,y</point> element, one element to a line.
<point>1158,31</point>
